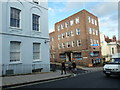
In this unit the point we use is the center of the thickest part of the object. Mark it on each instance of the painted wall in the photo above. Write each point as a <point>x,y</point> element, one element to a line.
<point>25,35</point>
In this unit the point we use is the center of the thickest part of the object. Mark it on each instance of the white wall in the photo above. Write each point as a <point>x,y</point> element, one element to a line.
<point>25,35</point>
<point>0,16</point>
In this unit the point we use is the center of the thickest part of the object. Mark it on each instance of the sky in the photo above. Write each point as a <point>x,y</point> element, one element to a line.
<point>106,11</point>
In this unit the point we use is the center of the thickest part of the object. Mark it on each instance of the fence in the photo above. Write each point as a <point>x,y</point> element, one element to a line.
<point>14,69</point>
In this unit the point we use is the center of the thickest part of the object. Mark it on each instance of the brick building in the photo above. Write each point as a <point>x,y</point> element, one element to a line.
<point>76,38</point>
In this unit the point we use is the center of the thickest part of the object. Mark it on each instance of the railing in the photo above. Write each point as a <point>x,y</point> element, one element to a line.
<point>14,69</point>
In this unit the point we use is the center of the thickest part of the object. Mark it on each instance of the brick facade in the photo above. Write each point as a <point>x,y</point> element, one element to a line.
<point>83,41</point>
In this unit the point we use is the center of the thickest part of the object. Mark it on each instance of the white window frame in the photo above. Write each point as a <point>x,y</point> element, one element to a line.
<point>63,36</point>
<point>59,46</point>
<point>73,43</point>
<point>91,41</point>
<point>96,22</point>
<point>94,41</point>
<point>67,34</point>
<point>72,33</point>
<point>97,42</point>
<point>68,43</point>
<point>12,50</point>
<point>66,24</point>
<point>52,47</point>
<point>52,39</point>
<point>77,31</point>
<point>62,26</point>
<point>53,55</point>
<point>63,45</point>
<point>97,32</point>
<point>92,21</point>
<point>36,23</point>
<point>71,22</point>
<point>89,19</point>
<point>93,31</point>
<point>39,48</point>
<point>58,27</point>
<point>77,20</point>
<point>59,37</point>
<point>90,30</point>
<point>78,43</point>
<point>19,18</point>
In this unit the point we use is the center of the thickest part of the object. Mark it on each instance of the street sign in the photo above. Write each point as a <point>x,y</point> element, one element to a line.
<point>94,44</point>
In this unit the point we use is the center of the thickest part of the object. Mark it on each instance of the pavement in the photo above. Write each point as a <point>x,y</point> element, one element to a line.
<point>11,81</point>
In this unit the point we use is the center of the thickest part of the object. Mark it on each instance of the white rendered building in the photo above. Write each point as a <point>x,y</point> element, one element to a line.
<point>107,49</point>
<point>24,36</point>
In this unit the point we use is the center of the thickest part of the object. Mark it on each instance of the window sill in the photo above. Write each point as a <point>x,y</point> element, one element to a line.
<point>37,61</point>
<point>36,31</point>
<point>15,62</point>
<point>14,28</point>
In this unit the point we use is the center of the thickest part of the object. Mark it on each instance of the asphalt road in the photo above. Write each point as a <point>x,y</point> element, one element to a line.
<point>89,80</point>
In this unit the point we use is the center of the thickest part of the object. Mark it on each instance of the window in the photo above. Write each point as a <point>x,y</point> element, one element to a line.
<point>71,22</point>
<point>63,36</point>
<point>78,43</point>
<point>52,39</point>
<point>58,28</point>
<point>90,30</point>
<point>73,43</point>
<point>94,41</point>
<point>96,22</point>
<point>14,51</point>
<point>91,41</point>
<point>112,50</point>
<point>59,46</point>
<point>89,19</point>
<point>62,56</point>
<point>93,31</point>
<point>67,34</point>
<point>97,41</point>
<point>62,26</point>
<point>72,33</point>
<point>35,22</point>
<point>15,17</point>
<point>96,32</point>
<point>92,21</point>
<point>52,47</point>
<point>53,56</point>
<point>77,20</point>
<point>36,51</point>
<point>58,37</point>
<point>63,45</point>
<point>78,31</point>
<point>68,44</point>
<point>66,24</point>
<point>77,56</point>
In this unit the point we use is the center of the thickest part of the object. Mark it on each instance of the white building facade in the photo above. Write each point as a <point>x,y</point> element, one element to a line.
<point>107,49</point>
<point>24,36</point>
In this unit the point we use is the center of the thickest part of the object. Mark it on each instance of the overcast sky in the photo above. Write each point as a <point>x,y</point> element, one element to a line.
<point>107,13</point>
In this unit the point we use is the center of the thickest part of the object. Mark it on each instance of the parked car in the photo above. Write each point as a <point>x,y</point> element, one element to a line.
<point>112,68</point>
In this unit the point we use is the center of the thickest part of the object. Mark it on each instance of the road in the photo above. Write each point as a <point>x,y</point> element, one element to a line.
<point>88,80</point>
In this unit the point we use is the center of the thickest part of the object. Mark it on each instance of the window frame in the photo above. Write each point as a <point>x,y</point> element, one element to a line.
<point>15,17</point>
<point>36,23</point>
<point>78,43</point>
<point>34,60</point>
<point>77,31</point>
<point>77,20</point>
<point>19,61</point>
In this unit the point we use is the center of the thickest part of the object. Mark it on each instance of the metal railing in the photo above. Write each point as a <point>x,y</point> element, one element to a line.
<point>14,69</point>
